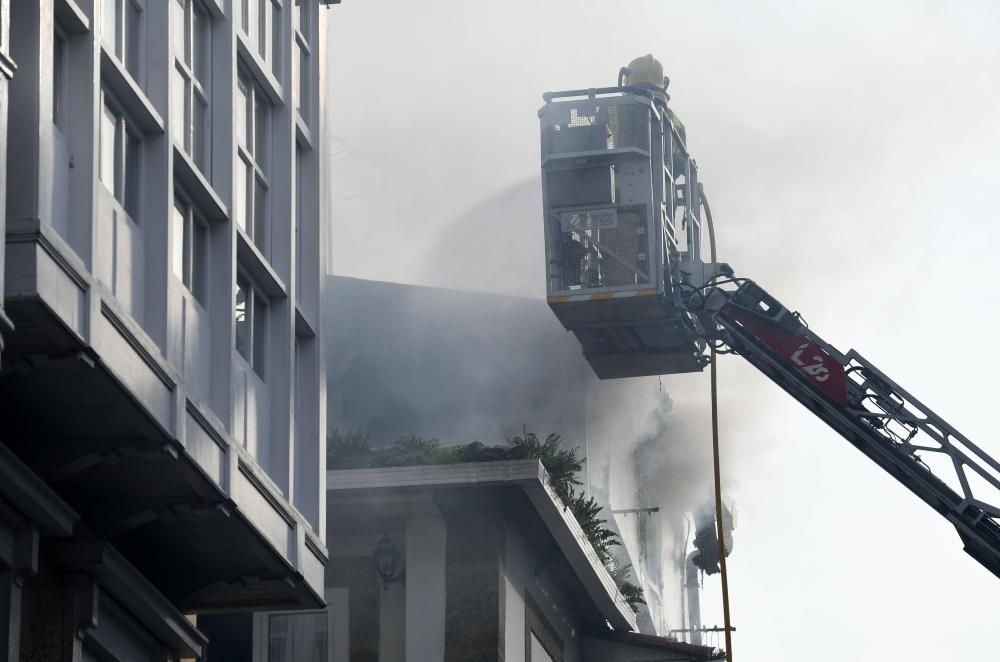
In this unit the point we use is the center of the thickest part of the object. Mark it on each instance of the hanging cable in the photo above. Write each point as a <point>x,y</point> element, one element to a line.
<point>715,454</point>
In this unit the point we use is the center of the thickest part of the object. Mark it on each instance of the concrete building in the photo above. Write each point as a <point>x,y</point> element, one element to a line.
<point>7,67</point>
<point>464,366</point>
<point>162,402</point>
<point>450,563</point>
<point>484,563</point>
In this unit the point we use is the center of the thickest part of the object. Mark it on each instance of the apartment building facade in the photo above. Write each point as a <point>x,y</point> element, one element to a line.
<point>162,398</point>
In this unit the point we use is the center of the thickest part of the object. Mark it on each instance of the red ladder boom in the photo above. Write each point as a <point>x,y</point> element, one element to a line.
<point>866,407</point>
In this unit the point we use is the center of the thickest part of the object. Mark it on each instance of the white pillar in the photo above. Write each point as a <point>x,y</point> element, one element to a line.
<point>10,616</point>
<point>392,624</point>
<point>425,589</point>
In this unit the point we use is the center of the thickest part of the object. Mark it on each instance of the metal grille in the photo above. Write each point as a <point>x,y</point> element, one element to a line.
<point>575,187</point>
<point>629,126</point>
<point>602,247</point>
<point>593,127</point>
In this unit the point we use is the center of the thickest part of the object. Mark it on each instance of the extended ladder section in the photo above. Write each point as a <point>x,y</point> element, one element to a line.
<point>882,420</point>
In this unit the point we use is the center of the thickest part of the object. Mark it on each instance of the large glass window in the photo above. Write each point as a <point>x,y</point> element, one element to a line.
<point>251,324</point>
<point>189,249</point>
<point>122,26</point>
<point>300,637</point>
<point>59,66</point>
<point>190,117</point>
<point>299,193</point>
<point>303,16</point>
<point>303,20</point>
<point>242,316</point>
<point>253,133</point>
<point>120,156</point>
<point>261,23</point>
<point>309,636</point>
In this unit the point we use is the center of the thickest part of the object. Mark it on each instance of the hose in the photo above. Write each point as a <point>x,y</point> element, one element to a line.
<point>622,75</point>
<point>715,453</point>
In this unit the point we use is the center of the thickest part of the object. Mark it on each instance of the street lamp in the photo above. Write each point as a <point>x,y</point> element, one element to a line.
<point>388,563</point>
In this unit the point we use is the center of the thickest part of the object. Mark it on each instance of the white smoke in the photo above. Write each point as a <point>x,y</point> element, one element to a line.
<point>849,151</point>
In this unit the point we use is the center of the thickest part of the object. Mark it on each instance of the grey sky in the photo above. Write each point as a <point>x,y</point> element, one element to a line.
<point>850,152</point>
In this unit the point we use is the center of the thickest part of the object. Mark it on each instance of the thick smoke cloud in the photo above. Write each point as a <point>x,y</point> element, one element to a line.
<point>466,366</point>
<point>850,152</point>
<point>456,366</point>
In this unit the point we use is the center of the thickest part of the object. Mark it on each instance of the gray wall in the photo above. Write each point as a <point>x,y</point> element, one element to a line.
<point>459,366</point>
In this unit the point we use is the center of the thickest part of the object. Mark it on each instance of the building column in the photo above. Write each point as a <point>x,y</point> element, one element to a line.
<point>10,615</point>
<point>426,551</point>
<point>392,624</point>
<point>472,629</point>
<point>21,563</point>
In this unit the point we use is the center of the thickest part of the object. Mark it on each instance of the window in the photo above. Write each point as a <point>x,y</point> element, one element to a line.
<point>59,66</point>
<point>190,117</point>
<point>306,636</point>
<point>299,193</point>
<point>300,637</point>
<point>303,9</point>
<point>251,324</point>
<point>253,133</point>
<point>120,156</point>
<point>542,643</point>
<point>123,33</point>
<point>189,249</point>
<point>261,23</point>
<point>302,91</point>
<point>303,17</point>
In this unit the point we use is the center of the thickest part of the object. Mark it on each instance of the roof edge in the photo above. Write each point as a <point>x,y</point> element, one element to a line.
<point>580,554</point>
<point>459,474</point>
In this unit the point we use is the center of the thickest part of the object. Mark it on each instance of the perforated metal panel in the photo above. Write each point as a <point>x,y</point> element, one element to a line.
<point>598,194</point>
<point>610,180</point>
<point>592,125</point>
<point>629,126</point>
<point>601,247</point>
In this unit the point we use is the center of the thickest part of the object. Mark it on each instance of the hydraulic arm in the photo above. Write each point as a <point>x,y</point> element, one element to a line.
<point>622,205</point>
<point>860,402</point>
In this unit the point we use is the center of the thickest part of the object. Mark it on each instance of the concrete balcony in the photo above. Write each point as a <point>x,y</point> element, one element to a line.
<point>89,402</point>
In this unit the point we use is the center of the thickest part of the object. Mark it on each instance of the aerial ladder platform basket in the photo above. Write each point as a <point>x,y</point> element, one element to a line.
<point>621,208</point>
<point>622,231</point>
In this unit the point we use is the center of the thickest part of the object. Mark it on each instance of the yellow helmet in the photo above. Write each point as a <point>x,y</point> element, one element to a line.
<point>645,70</point>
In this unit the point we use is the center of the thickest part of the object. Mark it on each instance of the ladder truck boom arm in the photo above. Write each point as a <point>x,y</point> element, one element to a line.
<point>622,203</point>
<point>866,407</point>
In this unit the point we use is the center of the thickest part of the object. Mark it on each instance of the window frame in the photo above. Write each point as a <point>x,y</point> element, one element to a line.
<point>303,17</point>
<point>263,33</point>
<point>337,627</point>
<point>277,16</point>
<point>197,85</point>
<point>254,301</point>
<point>123,41</point>
<point>60,69</point>
<point>298,219</point>
<point>302,55</point>
<point>255,158</point>
<point>127,186</point>
<point>192,263</point>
